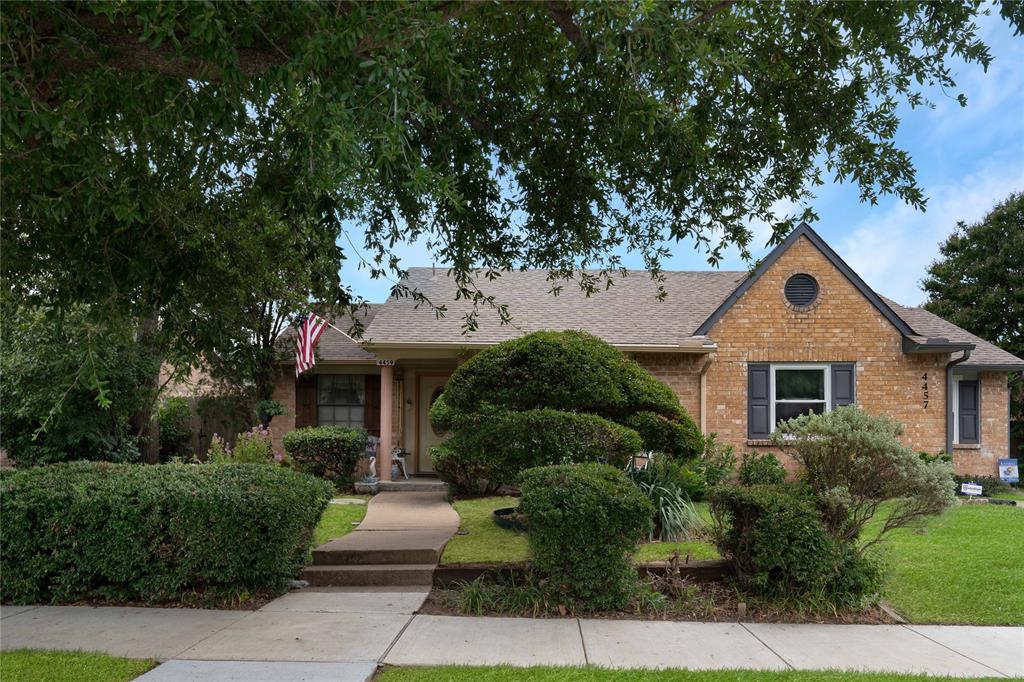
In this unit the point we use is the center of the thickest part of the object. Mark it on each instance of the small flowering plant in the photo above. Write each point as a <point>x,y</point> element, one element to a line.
<point>252,447</point>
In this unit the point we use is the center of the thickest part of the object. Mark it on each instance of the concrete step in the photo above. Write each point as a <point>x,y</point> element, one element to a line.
<point>369,574</point>
<point>417,485</point>
<point>325,555</point>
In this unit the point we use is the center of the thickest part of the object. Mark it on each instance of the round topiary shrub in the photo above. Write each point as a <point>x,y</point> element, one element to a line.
<point>330,452</point>
<point>585,522</point>
<point>552,398</point>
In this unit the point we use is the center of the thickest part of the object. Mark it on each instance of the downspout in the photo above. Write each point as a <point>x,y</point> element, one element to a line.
<point>703,393</point>
<point>949,399</point>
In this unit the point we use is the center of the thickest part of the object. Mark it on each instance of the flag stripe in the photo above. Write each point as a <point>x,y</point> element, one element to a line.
<point>310,330</point>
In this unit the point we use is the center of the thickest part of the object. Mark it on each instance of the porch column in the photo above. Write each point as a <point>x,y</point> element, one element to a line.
<point>387,375</point>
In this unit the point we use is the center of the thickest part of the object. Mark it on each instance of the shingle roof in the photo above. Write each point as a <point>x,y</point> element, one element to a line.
<point>333,346</point>
<point>929,324</point>
<point>629,313</point>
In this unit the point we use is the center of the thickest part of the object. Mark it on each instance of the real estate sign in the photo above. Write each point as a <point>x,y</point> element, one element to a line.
<point>1008,471</point>
<point>970,489</point>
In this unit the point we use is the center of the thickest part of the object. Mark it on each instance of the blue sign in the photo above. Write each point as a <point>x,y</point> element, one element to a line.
<point>1008,471</point>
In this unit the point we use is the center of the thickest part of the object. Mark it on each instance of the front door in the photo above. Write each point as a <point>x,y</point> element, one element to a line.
<point>430,387</point>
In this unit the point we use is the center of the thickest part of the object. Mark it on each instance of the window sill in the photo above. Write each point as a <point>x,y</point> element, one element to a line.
<point>758,442</point>
<point>967,446</point>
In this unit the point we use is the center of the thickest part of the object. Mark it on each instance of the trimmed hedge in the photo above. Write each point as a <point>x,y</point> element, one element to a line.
<point>780,547</point>
<point>153,533</point>
<point>330,452</point>
<point>490,449</point>
<point>585,522</point>
<point>581,400</point>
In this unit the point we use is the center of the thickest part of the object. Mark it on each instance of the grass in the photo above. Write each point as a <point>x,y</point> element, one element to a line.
<point>963,567</point>
<point>1014,494</point>
<point>484,541</point>
<point>480,539</point>
<point>29,665</point>
<point>338,520</point>
<point>510,674</point>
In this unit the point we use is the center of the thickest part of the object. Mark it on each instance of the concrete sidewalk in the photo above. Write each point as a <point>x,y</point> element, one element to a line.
<point>342,634</point>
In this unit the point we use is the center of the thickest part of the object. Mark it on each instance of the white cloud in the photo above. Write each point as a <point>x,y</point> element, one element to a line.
<point>893,247</point>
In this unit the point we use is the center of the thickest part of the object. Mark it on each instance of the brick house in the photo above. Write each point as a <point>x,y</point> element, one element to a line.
<point>742,350</point>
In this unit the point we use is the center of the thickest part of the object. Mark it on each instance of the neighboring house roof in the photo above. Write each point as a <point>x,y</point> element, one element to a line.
<point>626,314</point>
<point>984,354</point>
<point>333,345</point>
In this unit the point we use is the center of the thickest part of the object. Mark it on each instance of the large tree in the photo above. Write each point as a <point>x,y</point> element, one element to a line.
<point>501,134</point>
<point>978,283</point>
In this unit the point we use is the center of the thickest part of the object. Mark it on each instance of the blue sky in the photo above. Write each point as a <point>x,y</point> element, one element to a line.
<point>967,160</point>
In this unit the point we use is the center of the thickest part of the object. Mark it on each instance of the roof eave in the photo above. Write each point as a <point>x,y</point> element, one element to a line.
<point>934,345</point>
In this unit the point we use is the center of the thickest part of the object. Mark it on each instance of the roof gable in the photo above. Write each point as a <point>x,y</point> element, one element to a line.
<point>804,230</point>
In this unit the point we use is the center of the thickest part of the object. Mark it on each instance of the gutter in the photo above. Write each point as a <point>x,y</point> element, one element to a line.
<point>704,393</point>
<point>949,398</point>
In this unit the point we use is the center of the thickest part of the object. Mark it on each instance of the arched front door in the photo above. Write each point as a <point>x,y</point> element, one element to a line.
<point>429,388</point>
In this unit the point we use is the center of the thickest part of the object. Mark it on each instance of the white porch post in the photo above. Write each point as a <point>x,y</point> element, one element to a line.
<point>387,375</point>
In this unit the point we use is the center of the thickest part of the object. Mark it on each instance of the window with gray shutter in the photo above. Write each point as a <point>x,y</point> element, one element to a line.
<point>759,423</point>
<point>968,412</point>
<point>844,379</point>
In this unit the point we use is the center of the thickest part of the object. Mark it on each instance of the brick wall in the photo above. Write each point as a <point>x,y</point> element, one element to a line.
<point>981,458</point>
<point>841,326</point>
<point>284,393</point>
<point>682,374</point>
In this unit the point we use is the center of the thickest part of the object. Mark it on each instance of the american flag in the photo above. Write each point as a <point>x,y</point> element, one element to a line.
<point>310,329</point>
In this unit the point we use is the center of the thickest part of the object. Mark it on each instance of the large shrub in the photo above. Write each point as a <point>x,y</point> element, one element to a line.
<point>603,406</point>
<point>854,462</point>
<point>761,468</point>
<point>153,533</point>
<point>494,448</point>
<point>71,386</point>
<point>330,452</point>
<point>780,547</point>
<point>175,418</point>
<point>585,523</point>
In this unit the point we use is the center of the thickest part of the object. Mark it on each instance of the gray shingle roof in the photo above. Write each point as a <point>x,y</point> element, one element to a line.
<point>628,313</point>
<point>333,346</point>
<point>929,324</point>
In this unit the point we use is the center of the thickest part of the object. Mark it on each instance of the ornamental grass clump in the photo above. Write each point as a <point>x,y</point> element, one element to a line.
<point>585,522</point>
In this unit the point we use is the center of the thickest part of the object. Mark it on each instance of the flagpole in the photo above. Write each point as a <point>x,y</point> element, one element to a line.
<point>341,332</point>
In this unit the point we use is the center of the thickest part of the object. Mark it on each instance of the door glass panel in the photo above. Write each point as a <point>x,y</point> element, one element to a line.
<point>799,384</point>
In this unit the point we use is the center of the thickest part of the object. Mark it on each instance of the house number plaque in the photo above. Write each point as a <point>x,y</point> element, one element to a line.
<point>385,363</point>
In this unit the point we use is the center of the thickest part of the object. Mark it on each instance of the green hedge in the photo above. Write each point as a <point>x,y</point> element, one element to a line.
<point>330,452</point>
<point>680,438</point>
<point>489,450</point>
<point>153,533</point>
<point>585,523</point>
<point>761,469</point>
<point>779,546</point>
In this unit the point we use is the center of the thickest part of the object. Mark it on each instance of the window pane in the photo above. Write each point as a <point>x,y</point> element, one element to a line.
<point>790,410</point>
<point>325,416</point>
<point>355,417</point>
<point>800,384</point>
<point>341,389</point>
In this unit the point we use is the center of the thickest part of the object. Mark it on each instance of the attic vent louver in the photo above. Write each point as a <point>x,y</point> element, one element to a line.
<point>801,290</point>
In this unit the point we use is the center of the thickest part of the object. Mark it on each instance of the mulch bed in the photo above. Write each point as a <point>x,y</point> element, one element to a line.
<point>713,601</point>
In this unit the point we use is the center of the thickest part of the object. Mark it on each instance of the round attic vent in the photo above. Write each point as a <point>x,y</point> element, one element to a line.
<point>801,290</point>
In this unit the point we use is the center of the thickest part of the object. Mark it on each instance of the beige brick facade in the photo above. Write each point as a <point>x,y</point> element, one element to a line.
<point>841,326</point>
<point>284,393</point>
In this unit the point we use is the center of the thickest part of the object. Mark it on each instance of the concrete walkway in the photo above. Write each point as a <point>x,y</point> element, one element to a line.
<point>398,542</point>
<point>342,635</point>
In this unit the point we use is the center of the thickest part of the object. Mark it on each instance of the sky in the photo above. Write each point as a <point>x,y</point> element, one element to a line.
<point>967,160</point>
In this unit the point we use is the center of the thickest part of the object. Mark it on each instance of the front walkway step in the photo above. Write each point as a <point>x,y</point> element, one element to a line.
<point>369,574</point>
<point>383,547</point>
<point>417,485</point>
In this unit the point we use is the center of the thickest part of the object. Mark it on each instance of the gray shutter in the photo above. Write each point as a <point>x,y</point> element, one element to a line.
<point>968,416</point>
<point>758,401</point>
<point>844,384</point>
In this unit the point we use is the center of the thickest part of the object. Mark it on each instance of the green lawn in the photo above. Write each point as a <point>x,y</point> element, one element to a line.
<point>338,520</point>
<point>485,541</point>
<point>28,665</point>
<point>509,674</point>
<point>965,567</point>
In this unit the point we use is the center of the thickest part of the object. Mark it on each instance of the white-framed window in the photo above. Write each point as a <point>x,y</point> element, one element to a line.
<point>799,389</point>
<point>341,400</point>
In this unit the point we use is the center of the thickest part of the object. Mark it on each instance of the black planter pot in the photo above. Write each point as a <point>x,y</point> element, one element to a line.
<point>509,517</point>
